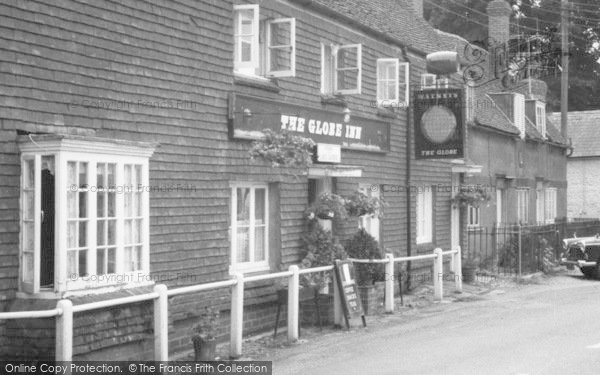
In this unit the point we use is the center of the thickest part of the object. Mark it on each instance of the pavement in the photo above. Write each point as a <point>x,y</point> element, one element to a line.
<point>541,325</point>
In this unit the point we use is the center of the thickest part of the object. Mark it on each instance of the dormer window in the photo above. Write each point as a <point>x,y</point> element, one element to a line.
<point>519,113</point>
<point>540,117</point>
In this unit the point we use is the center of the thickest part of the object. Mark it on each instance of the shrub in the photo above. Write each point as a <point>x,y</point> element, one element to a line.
<point>320,248</point>
<point>363,246</point>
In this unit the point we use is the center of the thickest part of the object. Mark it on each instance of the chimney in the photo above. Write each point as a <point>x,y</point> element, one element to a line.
<point>417,6</point>
<point>499,12</point>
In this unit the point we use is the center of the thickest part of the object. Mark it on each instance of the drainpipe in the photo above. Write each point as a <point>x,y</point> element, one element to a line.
<point>409,120</point>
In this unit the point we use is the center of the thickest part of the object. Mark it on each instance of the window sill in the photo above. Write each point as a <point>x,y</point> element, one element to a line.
<point>338,100</point>
<point>250,270</point>
<point>256,82</point>
<point>386,113</point>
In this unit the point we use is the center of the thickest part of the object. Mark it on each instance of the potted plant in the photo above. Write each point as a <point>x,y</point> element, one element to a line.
<point>328,207</point>
<point>205,342</point>
<point>359,204</point>
<point>320,249</point>
<point>363,246</point>
<point>284,149</point>
<point>473,195</point>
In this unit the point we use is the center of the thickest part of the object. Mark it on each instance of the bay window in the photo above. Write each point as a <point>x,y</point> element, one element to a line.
<point>249,227</point>
<point>84,212</point>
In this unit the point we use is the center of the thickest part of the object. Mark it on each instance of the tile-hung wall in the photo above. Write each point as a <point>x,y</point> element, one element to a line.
<point>161,76</point>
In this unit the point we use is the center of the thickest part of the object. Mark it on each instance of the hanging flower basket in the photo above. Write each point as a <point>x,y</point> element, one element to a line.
<point>328,207</point>
<point>359,204</point>
<point>284,149</point>
<point>471,196</point>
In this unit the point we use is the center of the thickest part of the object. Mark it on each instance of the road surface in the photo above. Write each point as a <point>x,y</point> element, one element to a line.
<point>547,328</point>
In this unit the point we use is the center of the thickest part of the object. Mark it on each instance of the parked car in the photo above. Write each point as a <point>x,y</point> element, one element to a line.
<point>584,253</point>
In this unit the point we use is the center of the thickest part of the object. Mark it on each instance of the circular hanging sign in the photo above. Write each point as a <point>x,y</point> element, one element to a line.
<point>438,124</point>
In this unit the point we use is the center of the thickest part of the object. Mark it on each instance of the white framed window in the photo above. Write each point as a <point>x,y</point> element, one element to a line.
<point>473,216</point>
<point>499,206</point>
<point>523,205</point>
<point>392,83</point>
<point>276,56</point>
<point>540,117</point>
<point>84,220</point>
<point>246,38</point>
<point>550,212</point>
<point>424,208</point>
<point>370,223</point>
<point>341,69</point>
<point>428,81</point>
<point>539,205</point>
<point>519,113</point>
<point>249,227</point>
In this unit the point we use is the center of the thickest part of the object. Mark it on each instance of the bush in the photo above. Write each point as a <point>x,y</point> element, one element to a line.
<point>320,248</point>
<point>363,246</point>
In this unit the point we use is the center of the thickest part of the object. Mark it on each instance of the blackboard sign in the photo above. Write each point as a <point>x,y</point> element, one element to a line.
<point>350,299</point>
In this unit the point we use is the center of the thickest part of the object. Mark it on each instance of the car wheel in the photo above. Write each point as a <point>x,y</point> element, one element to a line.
<point>588,272</point>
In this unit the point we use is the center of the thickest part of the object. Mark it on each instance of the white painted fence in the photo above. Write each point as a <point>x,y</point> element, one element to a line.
<point>64,308</point>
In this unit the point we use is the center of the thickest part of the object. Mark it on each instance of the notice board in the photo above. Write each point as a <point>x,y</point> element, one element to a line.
<point>349,296</point>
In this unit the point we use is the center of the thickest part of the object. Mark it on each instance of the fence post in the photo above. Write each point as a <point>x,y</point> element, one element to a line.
<point>161,323</point>
<point>389,284</point>
<point>519,244</point>
<point>293,303</point>
<point>458,269</point>
<point>64,331</point>
<point>237,316</point>
<point>438,269</point>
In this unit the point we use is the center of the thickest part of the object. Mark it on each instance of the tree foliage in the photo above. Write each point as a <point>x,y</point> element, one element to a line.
<point>467,18</point>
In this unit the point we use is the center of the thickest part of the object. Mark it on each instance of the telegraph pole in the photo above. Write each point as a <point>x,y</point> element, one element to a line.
<point>564,86</point>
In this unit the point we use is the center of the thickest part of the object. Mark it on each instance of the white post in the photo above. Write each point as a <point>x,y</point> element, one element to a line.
<point>458,269</point>
<point>293,303</point>
<point>64,331</point>
<point>438,269</point>
<point>237,316</point>
<point>161,324</point>
<point>389,283</point>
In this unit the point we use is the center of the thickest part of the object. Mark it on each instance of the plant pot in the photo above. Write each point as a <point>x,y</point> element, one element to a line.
<point>319,313</point>
<point>371,296</point>
<point>468,273</point>
<point>326,215</point>
<point>204,349</point>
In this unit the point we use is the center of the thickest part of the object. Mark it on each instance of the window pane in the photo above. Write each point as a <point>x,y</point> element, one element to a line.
<point>111,204</point>
<point>111,175</point>
<point>391,71</point>
<point>83,175</point>
<point>137,199</point>
<point>82,233</point>
<point>128,231</point>
<point>111,229</point>
<point>28,235</point>
<point>28,267</point>
<point>127,173</point>
<point>259,206</point>
<point>280,59</point>
<point>138,176</point>
<point>100,256</point>
<point>83,263</point>
<point>72,173</point>
<point>128,266</point>
<point>246,49</point>
<point>82,204</point>
<point>281,34</point>
<point>128,204</point>
<point>71,234</point>
<point>259,244</point>
<point>137,231</point>
<point>29,174</point>
<point>72,203</point>
<point>101,232</point>
<point>243,245</point>
<point>243,205</point>
<point>347,79</point>
<point>100,212</point>
<point>100,175</point>
<point>71,264</point>
<point>111,261</point>
<point>28,205</point>
<point>390,91</point>
<point>137,252</point>
<point>347,58</point>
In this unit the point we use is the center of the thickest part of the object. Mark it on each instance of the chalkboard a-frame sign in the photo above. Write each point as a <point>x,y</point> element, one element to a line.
<point>349,297</point>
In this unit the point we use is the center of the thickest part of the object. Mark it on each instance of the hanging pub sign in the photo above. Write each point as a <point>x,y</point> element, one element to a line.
<point>348,288</point>
<point>439,129</point>
<point>249,116</point>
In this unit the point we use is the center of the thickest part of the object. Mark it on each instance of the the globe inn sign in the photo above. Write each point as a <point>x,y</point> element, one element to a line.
<point>250,115</point>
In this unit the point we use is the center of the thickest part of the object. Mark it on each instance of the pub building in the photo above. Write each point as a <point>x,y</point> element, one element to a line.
<point>125,137</point>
